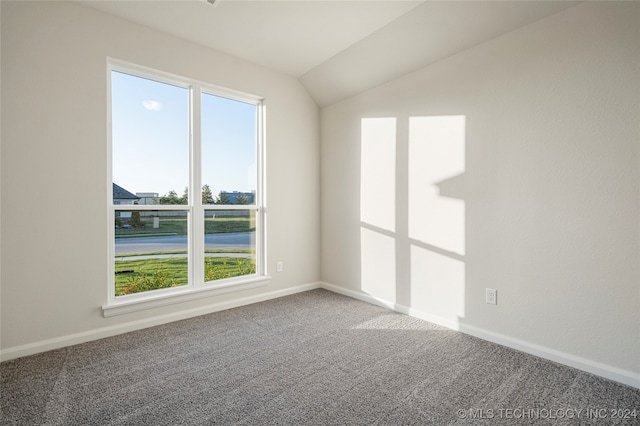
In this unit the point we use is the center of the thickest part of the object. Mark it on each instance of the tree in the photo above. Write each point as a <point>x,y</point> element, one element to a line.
<point>242,199</point>
<point>207,195</point>
<point>223,198</point>
<point>135,221</point>
<point>185,196</point>
<point>170,197</point>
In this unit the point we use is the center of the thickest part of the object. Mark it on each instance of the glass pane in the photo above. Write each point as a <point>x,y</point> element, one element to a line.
<point>229,147</point>
<point>230,243</point>
<point>150,140</point>
<point>151,250</point>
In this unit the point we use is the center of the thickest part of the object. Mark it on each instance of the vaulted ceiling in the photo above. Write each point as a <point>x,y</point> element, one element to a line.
<point>336,48</point>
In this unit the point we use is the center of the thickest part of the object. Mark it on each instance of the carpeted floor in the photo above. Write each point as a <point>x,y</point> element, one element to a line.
<point>312,358</point>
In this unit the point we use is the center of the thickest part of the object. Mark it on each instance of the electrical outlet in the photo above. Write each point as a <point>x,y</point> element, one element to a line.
<point>279,266</point>
<point>491,296</point>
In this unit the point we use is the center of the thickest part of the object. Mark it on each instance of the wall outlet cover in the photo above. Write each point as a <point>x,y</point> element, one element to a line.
<point>491,296</point>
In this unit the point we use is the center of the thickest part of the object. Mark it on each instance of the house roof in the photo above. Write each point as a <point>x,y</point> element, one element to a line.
<point>119,193</point>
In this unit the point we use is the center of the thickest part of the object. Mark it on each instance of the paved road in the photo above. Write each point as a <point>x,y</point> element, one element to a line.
<point>169,256</point>
<point>231,241</point>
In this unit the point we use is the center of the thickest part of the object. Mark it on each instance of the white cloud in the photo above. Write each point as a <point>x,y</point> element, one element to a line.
<point>152,105</point>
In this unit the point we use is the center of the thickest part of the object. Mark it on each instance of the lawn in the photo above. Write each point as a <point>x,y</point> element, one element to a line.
<point>134,276</point>
<point>169,225</point>
<point>220,225</point>
<point>138,275</point>
<point>177,225</point>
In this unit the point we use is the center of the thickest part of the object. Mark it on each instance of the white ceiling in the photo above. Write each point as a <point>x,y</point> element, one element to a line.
<point>336,48</point>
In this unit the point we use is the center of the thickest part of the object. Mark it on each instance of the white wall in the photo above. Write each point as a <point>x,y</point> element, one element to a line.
<point>54,252</point>
<point>539,198</point>
<point>529,186</point>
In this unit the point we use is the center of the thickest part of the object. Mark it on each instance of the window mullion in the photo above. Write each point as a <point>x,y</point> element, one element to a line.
<point>197,237</point>
<point>261,259</point>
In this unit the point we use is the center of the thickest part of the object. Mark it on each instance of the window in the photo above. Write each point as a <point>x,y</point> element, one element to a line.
<point>185,186</point>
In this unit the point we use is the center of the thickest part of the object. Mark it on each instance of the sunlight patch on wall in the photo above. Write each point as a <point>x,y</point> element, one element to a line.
<point>437,284</point>
<point>378,264</point>
<point>378,172</point>
<point>436,153</point>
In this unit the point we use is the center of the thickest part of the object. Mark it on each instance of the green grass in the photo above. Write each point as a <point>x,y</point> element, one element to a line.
<point>217,268</point>
<point>175,268</point>
<point>150,274</point>
<point>169,225</point>
<point>177,225</point>
<point>221,225</point>
<point>133,276</point>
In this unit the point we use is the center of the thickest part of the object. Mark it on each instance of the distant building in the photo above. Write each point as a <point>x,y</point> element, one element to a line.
<point>147,198</point>
<point>233,196</point>
<point>122,196</point>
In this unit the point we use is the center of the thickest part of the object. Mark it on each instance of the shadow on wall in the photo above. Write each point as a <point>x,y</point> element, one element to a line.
<point>412,233</point>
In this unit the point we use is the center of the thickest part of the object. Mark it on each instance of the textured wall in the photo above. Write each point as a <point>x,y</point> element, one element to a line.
<point>54,166</point>
<point>516,168</point>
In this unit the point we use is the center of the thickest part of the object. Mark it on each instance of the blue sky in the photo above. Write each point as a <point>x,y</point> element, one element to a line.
<point>150,138</point>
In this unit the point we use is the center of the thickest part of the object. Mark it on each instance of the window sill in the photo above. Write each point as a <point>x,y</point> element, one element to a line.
<point>120,307</point>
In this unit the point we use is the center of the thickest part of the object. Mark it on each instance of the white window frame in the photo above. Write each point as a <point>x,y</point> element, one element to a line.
<point>196,287</point>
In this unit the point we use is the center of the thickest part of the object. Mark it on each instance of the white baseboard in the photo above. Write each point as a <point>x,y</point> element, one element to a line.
<point>599,369</point>
<point>593,367</point>
<point>86,336</point>
<point>603,370</point>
